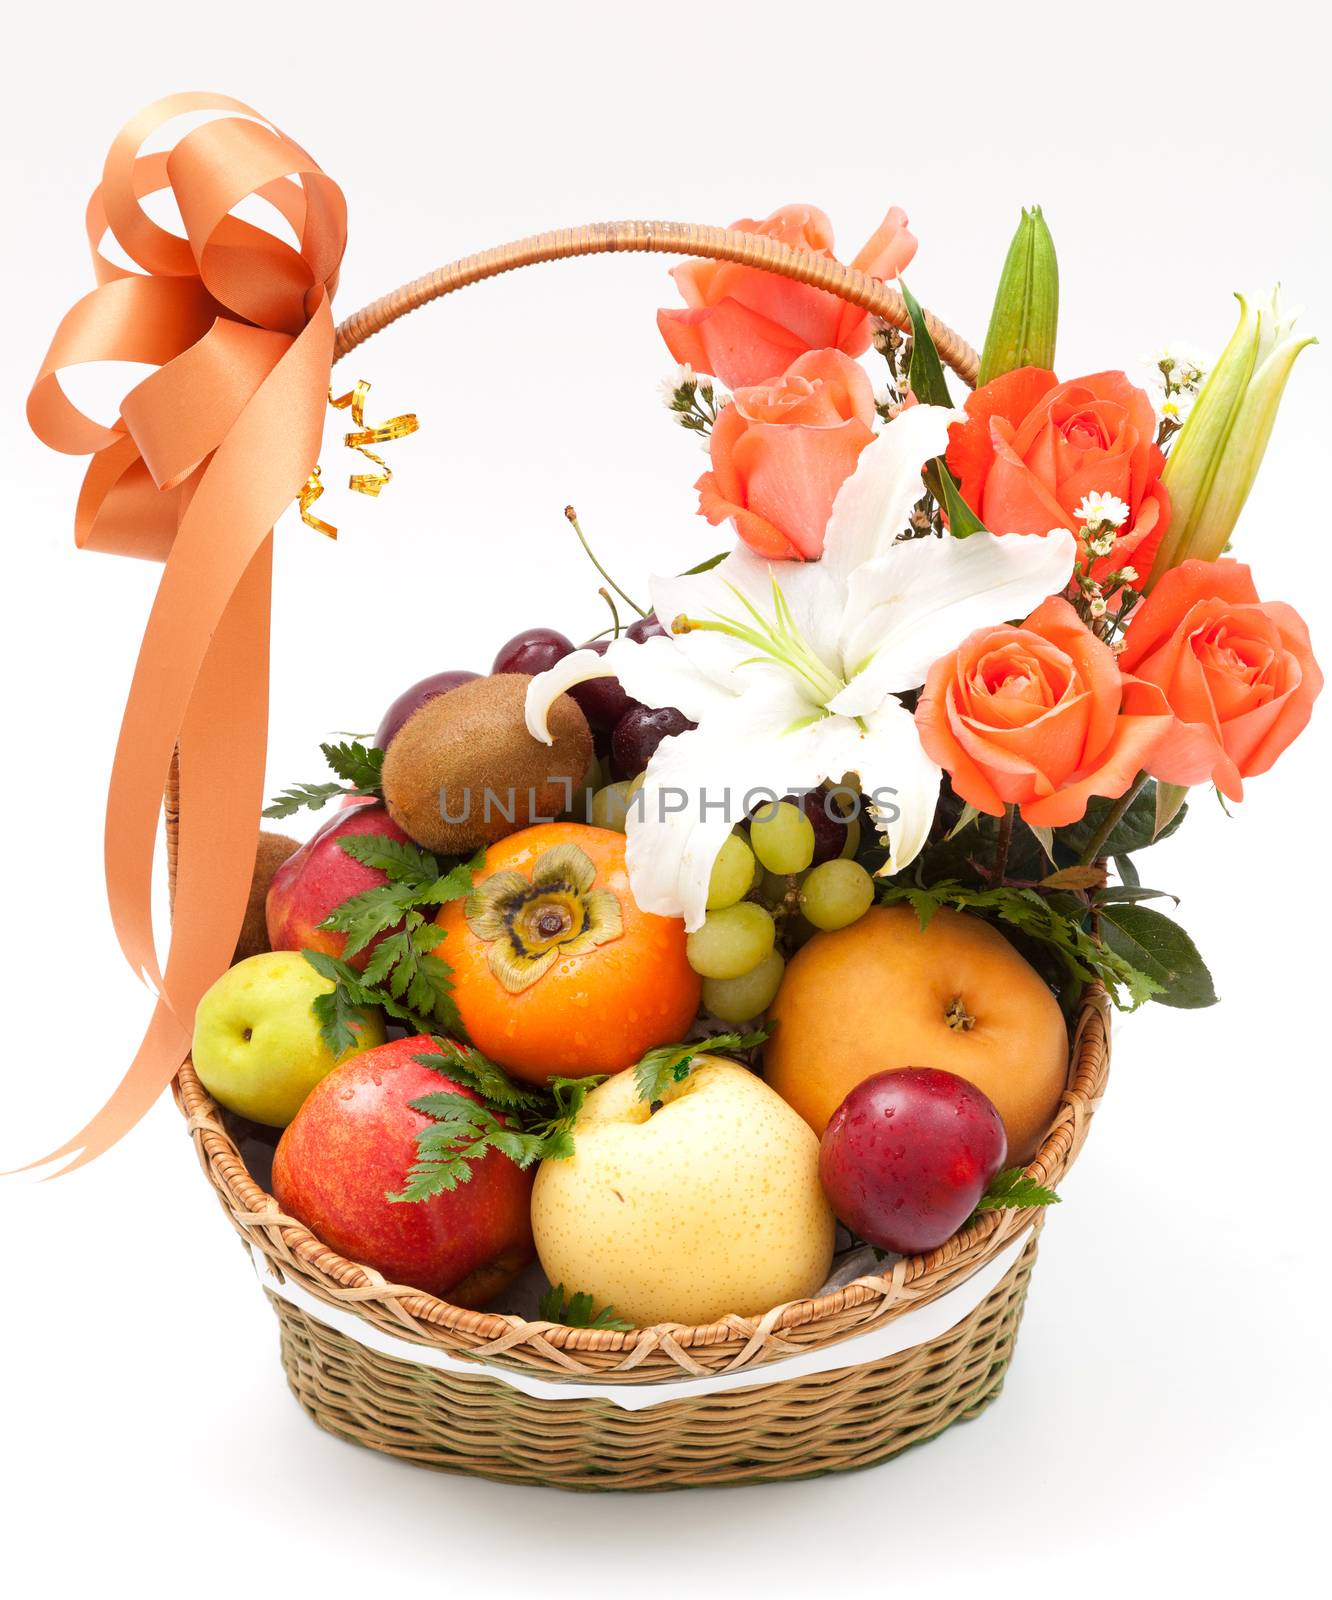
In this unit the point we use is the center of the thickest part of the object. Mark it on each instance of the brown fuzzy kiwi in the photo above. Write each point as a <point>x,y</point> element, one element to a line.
<point>274,849</point>
<point>473,740</point>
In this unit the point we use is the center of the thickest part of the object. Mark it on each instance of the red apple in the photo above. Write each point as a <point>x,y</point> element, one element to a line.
<point>320,876</point>
<point>907,1156</point>
<point>351,1145</point>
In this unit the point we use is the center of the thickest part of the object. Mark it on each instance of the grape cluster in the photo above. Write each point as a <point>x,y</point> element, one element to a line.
<point>773,885</point>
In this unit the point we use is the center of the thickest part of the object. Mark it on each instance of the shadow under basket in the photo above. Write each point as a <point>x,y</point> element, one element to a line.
<point>838,1381</point>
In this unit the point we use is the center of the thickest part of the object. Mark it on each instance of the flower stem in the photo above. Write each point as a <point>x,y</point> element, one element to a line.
<point>1001,847</point>
<point>1112,821</point>
<point>572,515</point>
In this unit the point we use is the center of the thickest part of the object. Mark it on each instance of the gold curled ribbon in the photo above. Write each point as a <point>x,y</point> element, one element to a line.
<point>362,482</point>
<point>201,460</point>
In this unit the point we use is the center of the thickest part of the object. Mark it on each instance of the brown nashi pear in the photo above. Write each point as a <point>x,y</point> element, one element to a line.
<point>886,993</point>
<point>464,771</point>
<point>273,850</point>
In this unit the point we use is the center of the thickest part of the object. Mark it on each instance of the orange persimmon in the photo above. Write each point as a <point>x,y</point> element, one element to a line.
<point>556,970</point>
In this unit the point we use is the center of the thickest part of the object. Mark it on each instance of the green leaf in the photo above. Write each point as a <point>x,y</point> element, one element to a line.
<point>402,861</point>
<point>969,815</point>
<point>1128,873</point>
<point>341,1021</point>
<point>303,796</point>
<point>358,764</point>
<point>672,1063</point>
<point>466,1065</point>
<point>1013,1189</point>
<point>1074,878</point>
<point>1127,894</point>
<point>1169,798</point>
<point>346,977</point>
<point>1025,318</point>
<point>926,375</point>
<point>578,1311</point>
<point>930,386</point>
<point>1155,945</point>
<point>1135,830</point>
<point>962,520</point>
<point>707,566</point>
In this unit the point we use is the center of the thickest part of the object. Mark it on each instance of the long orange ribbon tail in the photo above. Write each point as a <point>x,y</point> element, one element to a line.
<point>205,455</point>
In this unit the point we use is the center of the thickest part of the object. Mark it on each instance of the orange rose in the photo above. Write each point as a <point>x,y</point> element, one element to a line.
<point>781,452</point>
<point>1237,672</point>
<point>745,325</point>
<point>1038,715</point>
<point>1032,448</point>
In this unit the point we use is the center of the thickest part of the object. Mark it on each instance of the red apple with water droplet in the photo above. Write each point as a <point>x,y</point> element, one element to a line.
<point>350,1148</point>
<point>908,1155</point>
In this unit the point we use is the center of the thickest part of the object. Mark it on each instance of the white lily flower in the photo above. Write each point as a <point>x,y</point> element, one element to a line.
<point>792,672</point>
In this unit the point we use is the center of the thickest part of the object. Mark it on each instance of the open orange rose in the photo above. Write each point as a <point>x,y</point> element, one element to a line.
<point>782,451</point>
<point>1237,672</point>
<point>1032,448</point>
<point>1038,715</point>
<point>745,326</point>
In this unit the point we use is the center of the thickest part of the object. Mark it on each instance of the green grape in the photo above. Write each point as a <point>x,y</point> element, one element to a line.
<point>837,894</point>
<point>782,837</point>
<point>739,999</point>
<point>610,805</point>
<point>732,941</point>
<point>732,874</point>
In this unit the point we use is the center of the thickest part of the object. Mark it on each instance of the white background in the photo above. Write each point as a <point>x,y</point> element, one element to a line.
<point>1166,1417</point>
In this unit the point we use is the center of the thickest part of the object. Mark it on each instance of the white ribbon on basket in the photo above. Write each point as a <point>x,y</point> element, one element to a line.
<point>915,1327</point>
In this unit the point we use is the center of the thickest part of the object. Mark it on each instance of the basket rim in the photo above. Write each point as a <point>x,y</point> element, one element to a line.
<point>730,1342</point>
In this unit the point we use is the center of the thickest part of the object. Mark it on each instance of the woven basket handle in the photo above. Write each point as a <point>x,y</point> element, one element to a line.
<point>600,238</point>
<point>668,238</point>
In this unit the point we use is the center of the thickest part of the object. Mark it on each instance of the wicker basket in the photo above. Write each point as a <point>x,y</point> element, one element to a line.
<point>483,1395</point>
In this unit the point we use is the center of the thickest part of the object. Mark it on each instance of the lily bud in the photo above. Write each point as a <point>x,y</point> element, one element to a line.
<point>1026,308</point>
<point>1221,445</point>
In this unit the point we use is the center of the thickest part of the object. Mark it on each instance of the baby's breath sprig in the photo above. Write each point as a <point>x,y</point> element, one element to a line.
<point>895,348</point>
<point>693,400</point>
<point>1176,380</point>
<point>1103,602</point>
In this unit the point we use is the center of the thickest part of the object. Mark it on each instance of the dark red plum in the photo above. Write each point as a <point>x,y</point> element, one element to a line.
<point>907,1156</point>
<point>414,698</point>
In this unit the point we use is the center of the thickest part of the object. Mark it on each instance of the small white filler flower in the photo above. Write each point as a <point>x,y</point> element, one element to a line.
<point>792,672</point>
<point>1099,510</point>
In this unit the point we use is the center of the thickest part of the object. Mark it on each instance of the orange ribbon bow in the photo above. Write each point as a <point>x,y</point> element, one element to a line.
<point>205,455</point>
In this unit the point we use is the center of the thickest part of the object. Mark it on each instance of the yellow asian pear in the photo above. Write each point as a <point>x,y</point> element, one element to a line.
<point>707,1205</point>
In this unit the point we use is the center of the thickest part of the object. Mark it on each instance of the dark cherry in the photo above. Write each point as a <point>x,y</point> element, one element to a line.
<point>638,733</point>
<point>533,650</point>
<point>413,699</point>
<point>829,831</point>
<point>602,700</point>
<point>646,627</point>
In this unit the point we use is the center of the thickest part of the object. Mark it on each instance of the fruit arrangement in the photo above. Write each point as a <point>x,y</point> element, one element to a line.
<point>747,933</point>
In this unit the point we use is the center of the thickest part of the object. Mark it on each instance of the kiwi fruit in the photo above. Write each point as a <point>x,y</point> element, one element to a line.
<point>274,849</point>
<point>463,770</point>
